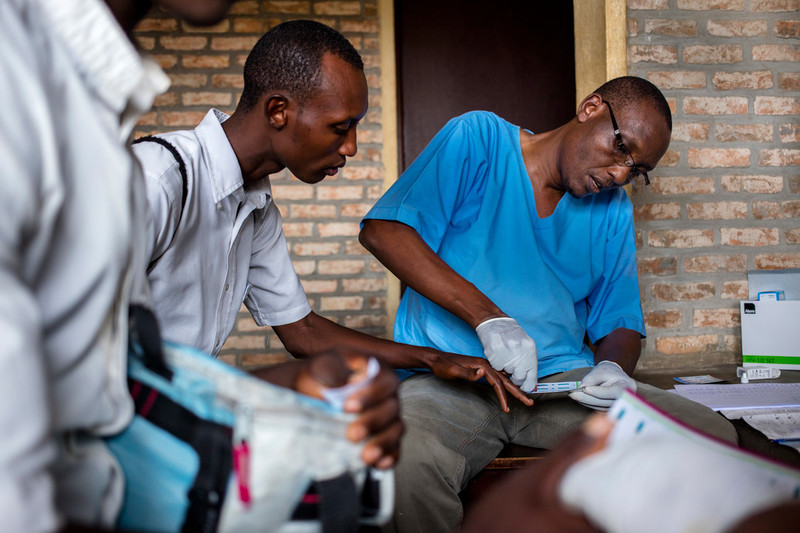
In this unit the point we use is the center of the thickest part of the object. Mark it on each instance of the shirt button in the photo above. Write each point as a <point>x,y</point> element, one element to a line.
<point>227,286</point>
<point>219,206</point>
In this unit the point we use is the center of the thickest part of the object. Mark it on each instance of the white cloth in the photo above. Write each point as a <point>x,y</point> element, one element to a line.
<point>229,244</point>
<point>71,238</point>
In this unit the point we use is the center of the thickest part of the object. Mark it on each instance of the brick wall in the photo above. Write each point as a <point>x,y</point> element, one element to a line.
<point>320,221</point>
<point>726,197</point>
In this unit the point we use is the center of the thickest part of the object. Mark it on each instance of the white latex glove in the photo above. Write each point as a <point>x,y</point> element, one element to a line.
<point>510,349</point>
<point>604,384</point>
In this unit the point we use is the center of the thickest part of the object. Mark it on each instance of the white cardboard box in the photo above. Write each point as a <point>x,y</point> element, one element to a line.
<point>771,333</point>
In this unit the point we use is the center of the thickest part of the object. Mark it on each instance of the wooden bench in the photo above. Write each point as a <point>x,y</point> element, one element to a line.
<point>512,457</point>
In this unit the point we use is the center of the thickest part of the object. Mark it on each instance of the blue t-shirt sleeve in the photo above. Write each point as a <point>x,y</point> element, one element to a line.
<point>615,301</point>
<point>435,191</point>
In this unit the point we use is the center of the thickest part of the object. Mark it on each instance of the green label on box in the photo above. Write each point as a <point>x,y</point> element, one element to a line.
<point>772,359</point>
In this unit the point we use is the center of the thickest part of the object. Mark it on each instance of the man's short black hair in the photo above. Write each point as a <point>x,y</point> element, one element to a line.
<point>626,90</point>
<point>288,57</point>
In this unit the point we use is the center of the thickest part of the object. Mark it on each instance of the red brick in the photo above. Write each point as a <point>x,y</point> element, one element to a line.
<point>707,105</point>
<point>316,248</point>
<point>777,261</point>
<point>348,26</point>
<point>165,61</point>
<point>207,98</point>
<point>289,7</point>
<point>716,318</point>
<point>683,185</point>
<point>182,118</point>
<point>789,81</point>
<point>156,25</point>
<point>292,192</point>
<point>690,131</point>
<point>233,43</point>
<point>776,210</point>
<point>342,303</point>
<point>633,26</point>
<point>337,8</point>
<point>691,344</point>
<point>206,61</point>
<point>648,4</point>
<point>779,158</point>
<point>737,28</point>
<point>792,236</point>
<point>709,5</point>
<point>687,238</point>
<point>250,25</point>
<point>364,284</point>
<point>716,210</point>
<point>337,229</point>
<point>790,133</point>
<point>668,318</point>
<point>743,132</point>
<point>326,267</point>
<point>734,290</point>
<point>725,81</point>
<point>794,183</point>
<point>354,210</point>
<point>789,29</point>
<point>752,184</point>
<point>658,266</point>
<point>774,5</point>
<point>663,54</point>
<point>249,7</point>
<point>776,105</point>
<point>707,264</point>
<point>657,211</point>
<point>719,157</point>
<point>670,159</point>
<point>705,54</point>
<point>776,52</point>
<point>166,100</point>
<point>680,79</point>
<point>227,80</point>
<point>320,286</point>
<point>749,236</point>
<point>671,27</point>
<point>353,173</point>
<point>183,43</point>
<point>304,268</point>
<point>313,211</point>
<point>298,229</point>
<point>222,26</point>
<point>193,81</point>
<point>148,119</point>
<point>340,192</point>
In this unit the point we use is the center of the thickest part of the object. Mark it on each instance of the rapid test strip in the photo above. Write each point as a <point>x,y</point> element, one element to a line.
<point>556,386</point>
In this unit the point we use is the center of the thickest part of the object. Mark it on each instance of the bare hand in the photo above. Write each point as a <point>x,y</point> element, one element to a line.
<point>455,366</point>
<point>376,404</point>
<point>528,500</point>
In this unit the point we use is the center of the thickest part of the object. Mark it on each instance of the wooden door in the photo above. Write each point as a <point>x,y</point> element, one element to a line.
<point>513,57</point>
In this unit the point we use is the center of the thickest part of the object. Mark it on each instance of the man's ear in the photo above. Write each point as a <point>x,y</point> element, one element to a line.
<point>589,106</point>
<point>275,110</point>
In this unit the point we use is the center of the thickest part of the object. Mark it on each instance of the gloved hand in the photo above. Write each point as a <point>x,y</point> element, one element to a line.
<point>604,384</point>
<point>510,349</point>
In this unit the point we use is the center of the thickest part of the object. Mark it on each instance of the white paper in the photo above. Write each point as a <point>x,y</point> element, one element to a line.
<point>743,396</point>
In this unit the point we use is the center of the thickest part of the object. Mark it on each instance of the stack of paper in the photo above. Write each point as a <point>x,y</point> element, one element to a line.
<point>771,408</point>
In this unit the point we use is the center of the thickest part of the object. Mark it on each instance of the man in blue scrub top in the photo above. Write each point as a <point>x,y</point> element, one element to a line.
<point>516,247</point>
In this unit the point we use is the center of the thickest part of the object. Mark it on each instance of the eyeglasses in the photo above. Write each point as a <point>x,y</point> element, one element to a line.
<point>629,162</point>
